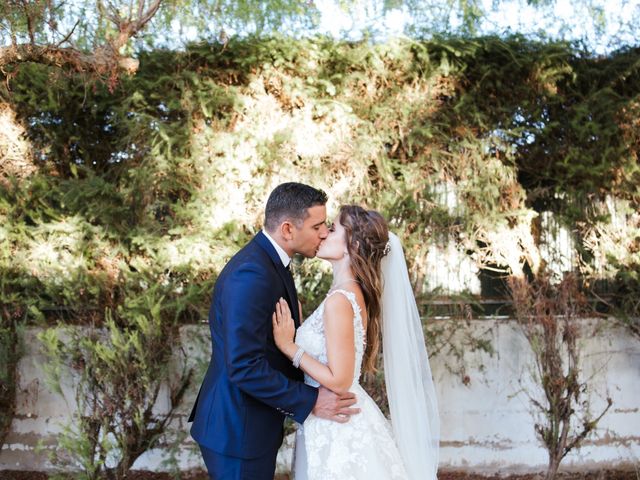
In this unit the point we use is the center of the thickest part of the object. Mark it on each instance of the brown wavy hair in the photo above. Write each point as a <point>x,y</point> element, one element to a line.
<point>366,236</point>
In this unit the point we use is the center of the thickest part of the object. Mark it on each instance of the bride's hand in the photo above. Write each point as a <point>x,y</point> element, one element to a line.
<point>284,329</point>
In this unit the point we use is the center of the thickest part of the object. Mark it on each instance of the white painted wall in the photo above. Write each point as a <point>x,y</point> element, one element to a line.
<point>487,426</point>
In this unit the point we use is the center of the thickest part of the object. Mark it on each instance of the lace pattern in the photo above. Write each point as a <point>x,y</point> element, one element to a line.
<point>311,335</point>
<point>361,449</point>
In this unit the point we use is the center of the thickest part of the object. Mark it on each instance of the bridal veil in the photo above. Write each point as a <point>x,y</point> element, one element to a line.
<point>412,397</point>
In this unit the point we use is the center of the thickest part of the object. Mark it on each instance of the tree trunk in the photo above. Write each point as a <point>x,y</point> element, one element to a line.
<point>554,464</point>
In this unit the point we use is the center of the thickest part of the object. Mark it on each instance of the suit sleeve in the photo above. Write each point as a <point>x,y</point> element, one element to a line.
<point>246,323</point>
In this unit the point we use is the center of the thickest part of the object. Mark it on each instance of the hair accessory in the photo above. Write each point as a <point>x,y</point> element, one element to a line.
<point>387,248</point>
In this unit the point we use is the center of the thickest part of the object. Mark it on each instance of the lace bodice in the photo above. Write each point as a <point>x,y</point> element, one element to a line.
<point>361,449</point>
<point>311,336</point>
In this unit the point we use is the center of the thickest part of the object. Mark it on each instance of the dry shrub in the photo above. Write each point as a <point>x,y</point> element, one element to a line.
<point>548,315</point>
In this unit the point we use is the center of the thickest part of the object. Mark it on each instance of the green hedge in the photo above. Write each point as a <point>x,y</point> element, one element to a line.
<point>119,207</point>
<point>160,180</point>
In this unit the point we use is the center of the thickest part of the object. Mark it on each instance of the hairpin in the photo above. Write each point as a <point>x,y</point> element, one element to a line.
<point>387,248</point>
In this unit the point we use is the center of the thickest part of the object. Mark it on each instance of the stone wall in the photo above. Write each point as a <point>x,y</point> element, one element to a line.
<point>487,418</point>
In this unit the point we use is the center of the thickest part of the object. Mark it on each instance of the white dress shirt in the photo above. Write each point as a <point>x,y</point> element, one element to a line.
<point>281,253</point>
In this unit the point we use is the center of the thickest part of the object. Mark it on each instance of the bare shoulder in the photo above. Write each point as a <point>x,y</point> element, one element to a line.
<point>337,306</point>
<point>338,318</point>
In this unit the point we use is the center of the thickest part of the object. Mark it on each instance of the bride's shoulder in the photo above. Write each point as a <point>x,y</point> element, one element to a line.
<point>343,302</point>
<point>339,302</point>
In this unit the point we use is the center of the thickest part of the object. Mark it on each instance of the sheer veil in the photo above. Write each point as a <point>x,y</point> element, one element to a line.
<point>412,397</point>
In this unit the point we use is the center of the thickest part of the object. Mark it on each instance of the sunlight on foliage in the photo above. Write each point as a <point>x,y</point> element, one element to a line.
<point>486,155</point>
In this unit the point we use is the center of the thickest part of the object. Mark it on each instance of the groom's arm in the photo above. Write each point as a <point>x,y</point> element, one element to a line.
<point>246,324</point>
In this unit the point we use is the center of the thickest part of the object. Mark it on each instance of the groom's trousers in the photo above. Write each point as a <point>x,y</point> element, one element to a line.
<point>223,467</point>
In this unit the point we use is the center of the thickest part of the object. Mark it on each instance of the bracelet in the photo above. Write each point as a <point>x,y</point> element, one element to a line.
<point>297,358</point>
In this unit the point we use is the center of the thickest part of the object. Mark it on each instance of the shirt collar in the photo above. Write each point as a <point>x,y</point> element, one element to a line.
<point>281,253</point>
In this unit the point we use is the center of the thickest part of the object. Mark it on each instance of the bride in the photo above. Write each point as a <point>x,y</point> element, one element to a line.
<point>371,293</point>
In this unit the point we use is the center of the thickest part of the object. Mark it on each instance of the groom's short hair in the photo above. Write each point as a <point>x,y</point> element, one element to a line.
<point>290,201</point>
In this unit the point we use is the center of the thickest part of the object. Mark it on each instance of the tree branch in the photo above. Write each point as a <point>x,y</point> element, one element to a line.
<point>102,62</point>
<point>105,60</point>
<point>153,9</point>
<point>128,28</point>
<point>29,19</point>
<point>68,36</point>
<point>140,8</point>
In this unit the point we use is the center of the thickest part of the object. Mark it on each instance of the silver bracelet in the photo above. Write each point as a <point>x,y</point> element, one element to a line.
<point>297,358</point>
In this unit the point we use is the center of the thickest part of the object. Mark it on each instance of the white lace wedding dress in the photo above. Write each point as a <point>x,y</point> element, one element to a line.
<point>361,449</point>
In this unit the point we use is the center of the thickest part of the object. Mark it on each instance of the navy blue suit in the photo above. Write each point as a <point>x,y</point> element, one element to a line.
<point>250,386</point>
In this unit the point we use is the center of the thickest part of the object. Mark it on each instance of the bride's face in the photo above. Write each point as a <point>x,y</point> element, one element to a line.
<point>335,245</point>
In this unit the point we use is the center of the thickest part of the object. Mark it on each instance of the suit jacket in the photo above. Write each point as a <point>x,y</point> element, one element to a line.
<point>250,386</point>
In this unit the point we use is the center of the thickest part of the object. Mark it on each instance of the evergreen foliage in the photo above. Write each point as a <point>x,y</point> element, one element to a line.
<point>118,207</point>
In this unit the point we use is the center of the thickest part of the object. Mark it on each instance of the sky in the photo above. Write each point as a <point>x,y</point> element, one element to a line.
<point>515,16</point>
<point>563,19</point>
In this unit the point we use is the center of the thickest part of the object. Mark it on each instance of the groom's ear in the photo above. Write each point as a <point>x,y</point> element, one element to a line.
<point>286,229</point>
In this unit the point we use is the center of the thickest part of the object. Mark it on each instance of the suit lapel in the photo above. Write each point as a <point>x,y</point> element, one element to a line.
<point>285,275</point>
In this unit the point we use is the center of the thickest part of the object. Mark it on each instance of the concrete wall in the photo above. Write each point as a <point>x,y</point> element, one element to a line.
<point>487,424</point>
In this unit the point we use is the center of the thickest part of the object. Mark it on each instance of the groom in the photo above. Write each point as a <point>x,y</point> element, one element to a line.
<point>250,386</point>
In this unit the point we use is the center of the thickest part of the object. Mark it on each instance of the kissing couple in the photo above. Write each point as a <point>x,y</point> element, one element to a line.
<point>266,364</point>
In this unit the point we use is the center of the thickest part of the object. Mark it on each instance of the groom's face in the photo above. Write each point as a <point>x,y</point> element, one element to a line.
<point>306,238</point>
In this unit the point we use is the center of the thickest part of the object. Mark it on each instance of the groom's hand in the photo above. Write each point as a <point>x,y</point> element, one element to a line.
<point>332,406</point>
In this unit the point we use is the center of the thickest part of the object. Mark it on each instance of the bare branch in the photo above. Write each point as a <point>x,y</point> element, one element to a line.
<point>68,36</point>
<point>30,27</point>
<point>105,60</point>
<point>153,9</point>
<point>110,12</point>
<point>101,62</point>
<point>141,4</point>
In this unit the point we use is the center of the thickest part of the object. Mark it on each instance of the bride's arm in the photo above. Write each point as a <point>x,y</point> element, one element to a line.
<point>338,325</point>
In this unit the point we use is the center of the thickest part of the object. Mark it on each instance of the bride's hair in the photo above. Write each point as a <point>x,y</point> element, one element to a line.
<point>367,235</point>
